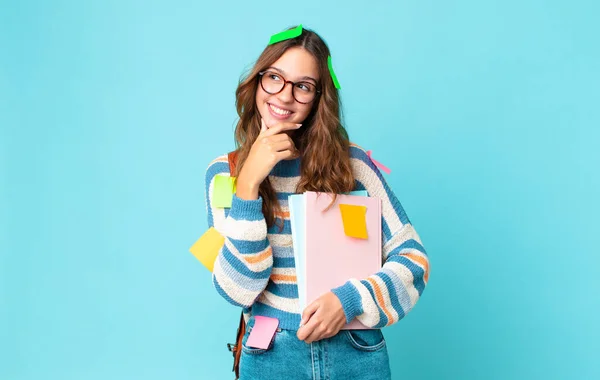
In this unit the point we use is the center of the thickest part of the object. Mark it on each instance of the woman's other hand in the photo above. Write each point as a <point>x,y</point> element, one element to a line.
<point>321,319</point>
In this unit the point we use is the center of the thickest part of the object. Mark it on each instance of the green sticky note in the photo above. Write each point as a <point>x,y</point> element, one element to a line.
<point>223,191</point>
<point>335,80</point>
<point>286,35</point>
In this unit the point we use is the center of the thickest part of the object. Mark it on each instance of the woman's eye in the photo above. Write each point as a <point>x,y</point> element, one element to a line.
<point>304,87</point>
<point>274,76</point>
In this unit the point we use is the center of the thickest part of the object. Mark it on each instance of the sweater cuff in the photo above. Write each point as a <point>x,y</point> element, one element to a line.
<point>242,209</point>
<point>350,299</point>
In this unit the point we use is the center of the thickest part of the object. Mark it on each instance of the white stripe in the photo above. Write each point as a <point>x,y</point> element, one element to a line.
<point>284,271</point>
<point>255,230</point>
<point>280,240</point>
<point>284,184</point>
<point>254,267</point>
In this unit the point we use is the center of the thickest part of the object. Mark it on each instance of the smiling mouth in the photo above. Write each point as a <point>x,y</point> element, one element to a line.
<point>279,111</point>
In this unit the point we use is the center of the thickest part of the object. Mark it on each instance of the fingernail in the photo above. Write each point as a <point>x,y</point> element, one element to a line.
<point>298,125</point>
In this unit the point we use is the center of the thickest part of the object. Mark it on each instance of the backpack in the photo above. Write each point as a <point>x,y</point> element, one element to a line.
<point>236,348</point>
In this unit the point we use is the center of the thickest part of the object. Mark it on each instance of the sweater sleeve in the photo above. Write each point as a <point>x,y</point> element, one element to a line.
<point>387,296</point>
<point>243,266</point>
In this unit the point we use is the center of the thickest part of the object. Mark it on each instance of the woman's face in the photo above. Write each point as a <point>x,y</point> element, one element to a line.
<point>296,65</point>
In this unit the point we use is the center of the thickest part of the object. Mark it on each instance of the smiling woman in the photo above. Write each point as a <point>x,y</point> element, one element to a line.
<point>290,140</point>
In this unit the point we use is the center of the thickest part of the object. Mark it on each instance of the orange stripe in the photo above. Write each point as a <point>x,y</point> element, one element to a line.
<point>421,260</point>
<point>282,214</point>
<point>258,258</point>
<point>283,277</point>
<point>380,300</point>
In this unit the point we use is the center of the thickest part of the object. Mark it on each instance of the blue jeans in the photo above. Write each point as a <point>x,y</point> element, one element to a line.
<point>351,354</point>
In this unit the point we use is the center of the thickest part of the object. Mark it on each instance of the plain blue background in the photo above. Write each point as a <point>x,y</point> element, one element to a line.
<point>487,112</point>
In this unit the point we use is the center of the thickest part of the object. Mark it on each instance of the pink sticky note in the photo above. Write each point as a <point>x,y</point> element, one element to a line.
<point>378,164</point>
<point>262,332</point>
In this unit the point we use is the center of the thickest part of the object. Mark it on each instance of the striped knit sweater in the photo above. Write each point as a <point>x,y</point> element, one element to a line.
<point>255,269</point>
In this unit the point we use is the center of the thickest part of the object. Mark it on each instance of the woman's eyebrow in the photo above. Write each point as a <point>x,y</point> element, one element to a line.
<point>301,78</point>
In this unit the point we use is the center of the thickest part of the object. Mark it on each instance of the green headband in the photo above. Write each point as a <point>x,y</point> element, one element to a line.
<point>286,35</point>
<point>335,80</point>
<point>293,33</point>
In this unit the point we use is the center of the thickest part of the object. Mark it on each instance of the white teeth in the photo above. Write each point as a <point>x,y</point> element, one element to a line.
<point>279,111</point>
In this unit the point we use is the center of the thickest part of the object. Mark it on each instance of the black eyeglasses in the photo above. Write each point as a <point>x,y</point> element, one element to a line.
<point>273,83</point>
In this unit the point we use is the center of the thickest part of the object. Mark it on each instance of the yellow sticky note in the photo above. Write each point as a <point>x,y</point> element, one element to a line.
<point>223,190</point>
<point>207,248</point>
<point>355,220</point>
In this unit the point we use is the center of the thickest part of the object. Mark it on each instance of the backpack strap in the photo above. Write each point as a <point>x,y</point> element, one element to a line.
<point>232,158</point>
<point>238,351</point>
<point>236,348</point>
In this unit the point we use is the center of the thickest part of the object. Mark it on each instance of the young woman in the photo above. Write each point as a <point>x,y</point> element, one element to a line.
<point>290,140</point>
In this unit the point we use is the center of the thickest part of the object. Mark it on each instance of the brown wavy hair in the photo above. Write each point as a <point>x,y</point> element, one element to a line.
<point>322,140</point>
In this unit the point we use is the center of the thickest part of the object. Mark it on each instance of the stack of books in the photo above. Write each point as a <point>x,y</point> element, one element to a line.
<point>334,242</point>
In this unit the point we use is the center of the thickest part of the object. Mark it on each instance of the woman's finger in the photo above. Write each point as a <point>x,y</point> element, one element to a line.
<point>281,127</point>
<point>283,145</point>
<point>317,334</point>
<point>285,155</point>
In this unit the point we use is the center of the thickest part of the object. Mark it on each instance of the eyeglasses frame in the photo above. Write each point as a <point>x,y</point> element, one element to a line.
<point>285,82</point>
